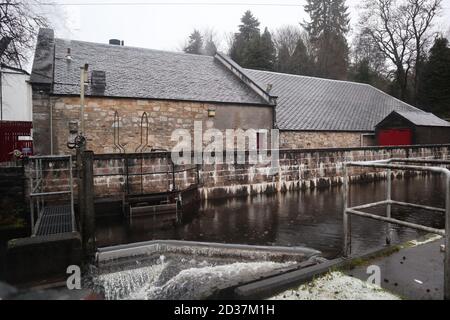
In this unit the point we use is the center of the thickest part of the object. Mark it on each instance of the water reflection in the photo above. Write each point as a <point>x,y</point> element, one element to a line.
<point>312,219</point>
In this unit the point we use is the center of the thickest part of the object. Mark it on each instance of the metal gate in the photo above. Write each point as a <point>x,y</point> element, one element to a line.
<point>10,132</point>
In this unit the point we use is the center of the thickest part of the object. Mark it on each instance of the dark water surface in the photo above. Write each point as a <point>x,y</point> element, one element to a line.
<point>311,219</point>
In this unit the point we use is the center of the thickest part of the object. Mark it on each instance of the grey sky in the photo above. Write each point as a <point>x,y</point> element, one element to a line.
<point>167,27</point>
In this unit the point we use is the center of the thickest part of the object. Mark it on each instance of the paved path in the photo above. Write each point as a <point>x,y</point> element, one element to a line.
<point>415,273</point>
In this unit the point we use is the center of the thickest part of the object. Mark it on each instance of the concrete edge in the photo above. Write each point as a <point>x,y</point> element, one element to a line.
<point>151,247</point>
<point>271,286</point>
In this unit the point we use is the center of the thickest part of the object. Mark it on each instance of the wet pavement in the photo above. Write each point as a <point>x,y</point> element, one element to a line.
<point>310,219</point>
<point>414,273</point>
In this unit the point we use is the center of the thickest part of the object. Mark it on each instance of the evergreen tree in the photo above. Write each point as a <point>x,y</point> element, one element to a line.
<point>246,41</point>
<point>284,60</point>
<point>249,26</point>
<point>300,62</point>
<point>210,48</point>
<point>328,26</point>
<point>361,72</point>
<point>267,52</point>
<point>195,44</point>
<point>435,88</point>
<point>250,49</point>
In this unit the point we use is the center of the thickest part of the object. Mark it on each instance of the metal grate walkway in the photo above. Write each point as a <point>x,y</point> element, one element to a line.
<point>55,220</point>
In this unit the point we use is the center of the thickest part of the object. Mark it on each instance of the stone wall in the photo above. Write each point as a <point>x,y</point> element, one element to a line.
<point>163,116</point>
<point>295,170</point>
<point>317,139</point>
<point>13,206</point>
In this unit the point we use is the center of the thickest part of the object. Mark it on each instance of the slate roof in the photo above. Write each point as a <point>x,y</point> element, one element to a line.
<point>304,103</point>
<point>315,104</point>
<point>423,119</point>
<point>149,74</point>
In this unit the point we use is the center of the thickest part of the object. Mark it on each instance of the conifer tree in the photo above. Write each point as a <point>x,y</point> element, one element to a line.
<point>195,44</point>
<point>435,88</point>
<point>327,28</point>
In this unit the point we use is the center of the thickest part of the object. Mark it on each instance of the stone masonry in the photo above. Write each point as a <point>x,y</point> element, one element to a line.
<point>296,170</point>
<point>314,140</point>
<point>163,116</point>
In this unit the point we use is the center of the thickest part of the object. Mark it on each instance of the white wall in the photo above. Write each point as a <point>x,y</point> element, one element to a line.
<point>16,96</point>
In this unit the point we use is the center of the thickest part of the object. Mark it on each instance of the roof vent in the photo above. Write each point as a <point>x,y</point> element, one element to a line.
<point>116,42</point>
<point>98,82</point>
<point>69,55</point>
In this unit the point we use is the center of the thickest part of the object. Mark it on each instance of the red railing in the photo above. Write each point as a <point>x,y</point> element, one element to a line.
<point>10,131</point>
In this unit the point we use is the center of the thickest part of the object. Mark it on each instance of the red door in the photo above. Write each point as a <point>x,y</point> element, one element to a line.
<point>395,137</point>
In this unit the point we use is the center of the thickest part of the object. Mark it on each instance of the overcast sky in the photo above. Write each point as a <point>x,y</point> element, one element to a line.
<point>167,27</point>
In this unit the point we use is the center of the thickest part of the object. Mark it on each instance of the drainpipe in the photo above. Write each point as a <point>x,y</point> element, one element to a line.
<point>51,125</point>
<point>83,80</point>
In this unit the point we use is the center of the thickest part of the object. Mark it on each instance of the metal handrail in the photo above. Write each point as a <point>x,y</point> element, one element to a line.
<point>37,195</point>
<point>392,164</point>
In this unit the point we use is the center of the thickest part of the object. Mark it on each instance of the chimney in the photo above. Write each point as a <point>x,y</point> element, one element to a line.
<point>116,42</point>
<point>98,82</point>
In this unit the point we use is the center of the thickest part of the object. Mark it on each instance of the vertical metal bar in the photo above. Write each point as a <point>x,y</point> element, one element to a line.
<point>32,215</point>
<point>447,240</point>
<point>173,177</point>
<point>72,212</point>
<point>88,197</point>
<point>346,217</point>
<point>127,172</point>
<point>82,92</point>
<point>31,199</point>
<point>389,206</point>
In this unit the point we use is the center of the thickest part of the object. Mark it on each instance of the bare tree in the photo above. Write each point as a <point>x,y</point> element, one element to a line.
<point>287,37</point>
<point>20,21</point>
<point>365,50</point>
<point>399,28</point>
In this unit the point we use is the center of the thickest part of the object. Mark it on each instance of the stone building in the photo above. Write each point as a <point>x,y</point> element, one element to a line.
<point>322,113</point>
<point>175,89</point>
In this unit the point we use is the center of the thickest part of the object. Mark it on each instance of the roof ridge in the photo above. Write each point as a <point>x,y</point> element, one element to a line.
<point>310,77</point>
<point>341,81</point>
<point>403,102</point>
<point>137,48</point>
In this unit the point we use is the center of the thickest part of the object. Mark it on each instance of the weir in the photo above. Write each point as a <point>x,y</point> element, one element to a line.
<point>190,270</point>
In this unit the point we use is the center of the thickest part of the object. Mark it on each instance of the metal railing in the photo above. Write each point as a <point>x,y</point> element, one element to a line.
<point>402,165</point>
<point>139,172</point>
<point>38,193</point>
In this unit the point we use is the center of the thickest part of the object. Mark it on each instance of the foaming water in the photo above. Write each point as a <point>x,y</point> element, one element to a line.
<point>311,219</point>
<point>177,278</point>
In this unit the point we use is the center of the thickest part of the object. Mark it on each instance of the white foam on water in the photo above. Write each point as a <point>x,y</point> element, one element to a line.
<point>336,286</point>
<point>200,283</point>
<point>190,284</point>
<point>129,284</point>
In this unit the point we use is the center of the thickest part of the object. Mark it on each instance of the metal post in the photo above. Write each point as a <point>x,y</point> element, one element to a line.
<point>81,201</point>
<point>88,206</point>
<point>174,188</point>
<point>83,80</point>
<point>346,217</point>
<point>447,240</point>
<point>389,206</point>
<point>71,194</point>
<point>31,198</point>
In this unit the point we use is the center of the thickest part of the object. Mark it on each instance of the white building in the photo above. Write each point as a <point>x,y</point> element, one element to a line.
<point>15,95</point>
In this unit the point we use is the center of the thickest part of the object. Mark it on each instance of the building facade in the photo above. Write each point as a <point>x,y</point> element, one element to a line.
<point>142,93</point>
<point>138,97</point>
<point>15,95</point>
